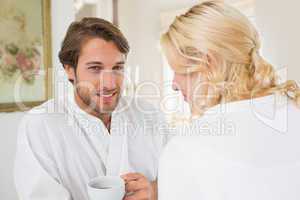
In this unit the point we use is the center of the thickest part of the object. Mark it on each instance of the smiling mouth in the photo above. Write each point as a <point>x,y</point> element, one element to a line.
<point>106,95</point>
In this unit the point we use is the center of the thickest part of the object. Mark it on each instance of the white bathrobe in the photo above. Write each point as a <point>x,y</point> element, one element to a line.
<point>247,150</point>
<point>60,148</point>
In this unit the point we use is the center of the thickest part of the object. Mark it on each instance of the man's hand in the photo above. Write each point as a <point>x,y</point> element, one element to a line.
<point>139,188</point>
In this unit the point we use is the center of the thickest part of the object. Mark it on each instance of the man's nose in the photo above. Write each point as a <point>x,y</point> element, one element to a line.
<point>108,80</point>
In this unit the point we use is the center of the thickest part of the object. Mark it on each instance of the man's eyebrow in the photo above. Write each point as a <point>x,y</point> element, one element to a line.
<point>100,63</point>
<point>94,63</point>
<point>120,63</point>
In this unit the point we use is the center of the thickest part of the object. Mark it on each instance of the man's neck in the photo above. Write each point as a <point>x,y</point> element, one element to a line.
<point>104,117</point>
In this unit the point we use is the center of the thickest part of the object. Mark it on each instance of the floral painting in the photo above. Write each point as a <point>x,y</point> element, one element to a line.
<point>24,61</point>
<point>24,53</point>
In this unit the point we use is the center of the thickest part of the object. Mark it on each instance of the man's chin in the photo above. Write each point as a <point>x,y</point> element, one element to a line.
<point>107,107</point>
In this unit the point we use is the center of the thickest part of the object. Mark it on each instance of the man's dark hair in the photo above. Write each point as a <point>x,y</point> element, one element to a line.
<point>88,28</point>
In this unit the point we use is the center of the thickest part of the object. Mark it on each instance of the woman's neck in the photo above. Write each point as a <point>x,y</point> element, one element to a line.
<point>198,111</point>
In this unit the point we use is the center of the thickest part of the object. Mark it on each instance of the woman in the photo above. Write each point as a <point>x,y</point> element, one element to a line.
<point>243,144</point>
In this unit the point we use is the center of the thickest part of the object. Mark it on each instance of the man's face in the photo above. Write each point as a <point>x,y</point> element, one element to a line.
<point>99,76</point>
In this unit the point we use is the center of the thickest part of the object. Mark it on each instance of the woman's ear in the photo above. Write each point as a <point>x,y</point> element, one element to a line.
<point>212,61</point>
<point>70,72</point>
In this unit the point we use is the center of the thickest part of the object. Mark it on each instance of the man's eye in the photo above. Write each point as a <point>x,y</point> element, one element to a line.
<point>94,68</point>
<point>118,68</point>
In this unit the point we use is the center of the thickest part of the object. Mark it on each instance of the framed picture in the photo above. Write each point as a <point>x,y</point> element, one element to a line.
<point>25,54</point>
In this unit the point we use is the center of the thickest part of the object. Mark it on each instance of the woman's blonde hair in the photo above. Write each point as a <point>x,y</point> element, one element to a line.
<point>213,29</point>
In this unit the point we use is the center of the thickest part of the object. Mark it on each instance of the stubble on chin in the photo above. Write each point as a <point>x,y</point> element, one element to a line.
<point>92,106</point>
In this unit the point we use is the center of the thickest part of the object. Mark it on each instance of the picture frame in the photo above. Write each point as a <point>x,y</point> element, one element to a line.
<point>25,54</point>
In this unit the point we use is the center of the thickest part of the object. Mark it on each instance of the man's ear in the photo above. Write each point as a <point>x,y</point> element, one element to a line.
<point>70,72</point>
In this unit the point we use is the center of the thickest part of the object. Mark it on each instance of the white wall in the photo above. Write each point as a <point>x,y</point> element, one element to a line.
<point>278,23</point>
<point>9,125</point>
<point>62,15</point>
<point>140,22</point>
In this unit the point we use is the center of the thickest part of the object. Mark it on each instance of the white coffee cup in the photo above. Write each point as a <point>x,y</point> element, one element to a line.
<point>106,188</point>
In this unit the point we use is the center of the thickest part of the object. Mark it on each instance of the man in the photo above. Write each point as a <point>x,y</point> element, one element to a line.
<point>97,132</point>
